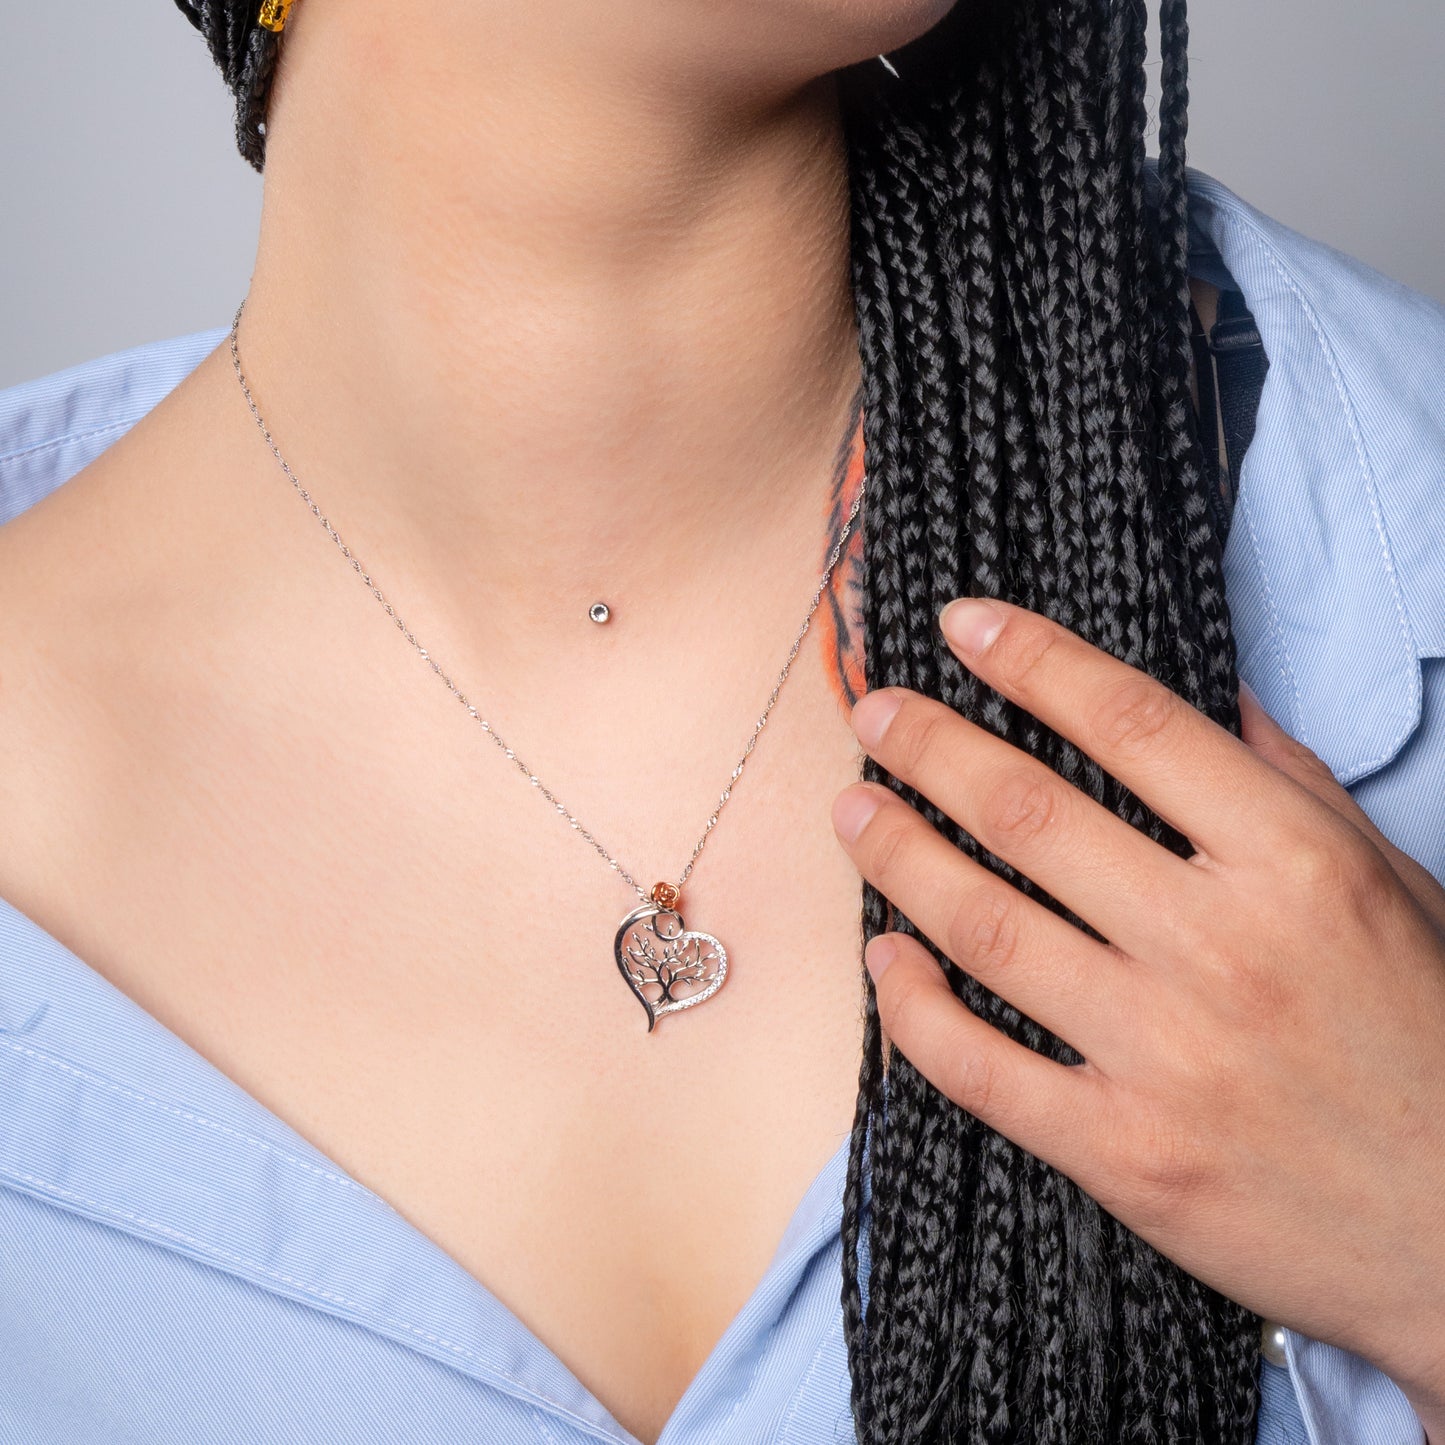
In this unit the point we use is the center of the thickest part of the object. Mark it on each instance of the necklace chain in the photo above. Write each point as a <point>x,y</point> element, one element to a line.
<point>487,727</point>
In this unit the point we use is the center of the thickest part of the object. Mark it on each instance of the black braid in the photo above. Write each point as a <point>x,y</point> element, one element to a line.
<point>1024,334</point>
<point>998,187</point>
<point>245,52</point>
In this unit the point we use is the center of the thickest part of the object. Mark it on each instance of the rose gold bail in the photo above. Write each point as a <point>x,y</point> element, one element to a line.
<point>666,895</point>
<point>273,14</point>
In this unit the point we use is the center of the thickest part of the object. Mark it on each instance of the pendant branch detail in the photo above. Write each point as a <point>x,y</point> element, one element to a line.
<point>668,966</point>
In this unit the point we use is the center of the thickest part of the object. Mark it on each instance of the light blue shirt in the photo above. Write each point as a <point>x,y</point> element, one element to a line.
<point>179,1267</point>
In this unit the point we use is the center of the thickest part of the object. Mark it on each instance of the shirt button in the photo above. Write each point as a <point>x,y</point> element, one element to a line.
<point>1271,1343</point>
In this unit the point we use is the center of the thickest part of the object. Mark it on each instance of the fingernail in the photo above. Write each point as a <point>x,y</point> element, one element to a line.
<point>1247,691</point>
<point>871,715</point>
<point>970,624</point>
<point>878,953</point>
<point>852,809</point>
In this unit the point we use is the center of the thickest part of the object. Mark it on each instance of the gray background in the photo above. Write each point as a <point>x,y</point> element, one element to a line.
<point>128,215</point>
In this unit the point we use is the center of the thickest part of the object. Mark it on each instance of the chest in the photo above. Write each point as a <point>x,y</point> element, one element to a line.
<point>413,967</point>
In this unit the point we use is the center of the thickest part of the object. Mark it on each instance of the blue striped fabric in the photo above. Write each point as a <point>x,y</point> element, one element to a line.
<point>179,1267</point>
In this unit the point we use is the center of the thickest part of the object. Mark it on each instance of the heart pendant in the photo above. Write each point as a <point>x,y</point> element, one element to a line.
<point>667,965</point>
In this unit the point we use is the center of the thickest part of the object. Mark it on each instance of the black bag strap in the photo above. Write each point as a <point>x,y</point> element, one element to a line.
<point>1233,351</point>
<point>1241,364</point>
<point>1217,480</point>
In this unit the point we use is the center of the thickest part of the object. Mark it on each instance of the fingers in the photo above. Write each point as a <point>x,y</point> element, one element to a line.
<point>1044,1107</point>
<point>1272,743</point>
<point>1043,965</point>
<point>1293,758</point>
<point>1109,873</point>
<point>1196,775</point>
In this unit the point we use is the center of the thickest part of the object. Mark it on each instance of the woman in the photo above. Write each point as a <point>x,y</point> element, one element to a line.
<point>342,1105</point>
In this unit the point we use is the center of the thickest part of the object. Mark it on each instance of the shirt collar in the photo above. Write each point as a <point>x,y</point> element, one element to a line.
<point>1335,563</point>
<point>110,1114</point>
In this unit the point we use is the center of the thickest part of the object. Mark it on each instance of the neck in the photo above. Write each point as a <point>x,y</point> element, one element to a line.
<point>523,312</point>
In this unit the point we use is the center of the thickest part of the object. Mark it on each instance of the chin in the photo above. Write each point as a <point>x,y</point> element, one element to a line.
<point>809,37</point>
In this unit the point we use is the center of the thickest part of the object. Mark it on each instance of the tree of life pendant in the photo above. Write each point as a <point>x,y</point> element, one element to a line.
<point>668,966</point>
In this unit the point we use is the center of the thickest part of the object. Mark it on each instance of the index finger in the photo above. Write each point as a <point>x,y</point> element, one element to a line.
<point>1200,778</point>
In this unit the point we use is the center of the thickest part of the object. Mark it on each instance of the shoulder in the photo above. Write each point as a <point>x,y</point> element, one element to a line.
<point>53,425</point>
<point>1376,330</point>
<point>73,566</point>
<point>1335,563</point>
<point>69,475</point>
<point>62,436</point>
<point>1347,344</point>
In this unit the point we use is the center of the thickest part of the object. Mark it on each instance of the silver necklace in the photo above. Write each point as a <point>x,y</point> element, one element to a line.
<point>668,966</point>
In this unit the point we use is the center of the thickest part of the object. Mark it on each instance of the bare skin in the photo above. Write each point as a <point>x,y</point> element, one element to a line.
<point>251,807</point>
<point>549,305</point>
<point>582,332</point>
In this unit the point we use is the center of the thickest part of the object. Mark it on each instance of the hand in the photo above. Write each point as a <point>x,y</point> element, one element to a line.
<point>1262,1096</point>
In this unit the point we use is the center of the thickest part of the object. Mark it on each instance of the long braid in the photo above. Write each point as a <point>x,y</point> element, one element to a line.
<point>1082,497</point>
<point>1024,334</point>
<point>873,1127</point>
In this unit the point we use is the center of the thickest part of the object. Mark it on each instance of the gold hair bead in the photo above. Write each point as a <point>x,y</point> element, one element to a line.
<point>273,13</point>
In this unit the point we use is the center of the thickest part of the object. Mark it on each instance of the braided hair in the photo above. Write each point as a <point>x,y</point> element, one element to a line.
<point>245,52</point>
<point>1023,317</point>
<point>1022,299</point>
